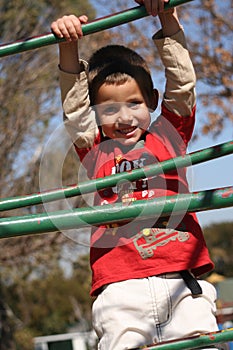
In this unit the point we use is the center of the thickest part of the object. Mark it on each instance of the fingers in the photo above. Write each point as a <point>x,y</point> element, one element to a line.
<point>69,27</point>
<point>153,7</point>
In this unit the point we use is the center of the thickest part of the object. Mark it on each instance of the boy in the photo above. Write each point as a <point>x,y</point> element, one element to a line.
<point>143,270</point>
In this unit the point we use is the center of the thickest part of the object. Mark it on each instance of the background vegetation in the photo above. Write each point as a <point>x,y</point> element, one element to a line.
<point>45,280</point>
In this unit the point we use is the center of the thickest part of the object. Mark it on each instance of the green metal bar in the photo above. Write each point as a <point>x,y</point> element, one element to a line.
<point>89,28</point>
<point>110,181</point>
<point>194,342</point>
<point>116,213</point>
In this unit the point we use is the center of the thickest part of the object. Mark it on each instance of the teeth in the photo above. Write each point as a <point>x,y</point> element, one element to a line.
<point>126,131</point>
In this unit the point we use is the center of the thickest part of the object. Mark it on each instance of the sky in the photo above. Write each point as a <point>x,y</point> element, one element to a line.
<point>212,174</point>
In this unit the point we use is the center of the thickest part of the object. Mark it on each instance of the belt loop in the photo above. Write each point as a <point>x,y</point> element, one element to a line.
<point>191,282</point>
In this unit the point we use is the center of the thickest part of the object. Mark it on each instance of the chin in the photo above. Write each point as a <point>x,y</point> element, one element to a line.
<point>128,142</point>
<point>131,141</point>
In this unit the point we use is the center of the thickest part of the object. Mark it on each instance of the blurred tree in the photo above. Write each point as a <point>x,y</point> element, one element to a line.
<point>220,243</point>
<point>29,103</point>
<point>48,302</point>
<point>29,106</point>
<point>211,49</point>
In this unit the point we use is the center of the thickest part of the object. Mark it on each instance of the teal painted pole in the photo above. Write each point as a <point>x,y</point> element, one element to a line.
<point>111,181</point>
<point>194,342</point>
<point>89,28</point>
<point>116,213</point>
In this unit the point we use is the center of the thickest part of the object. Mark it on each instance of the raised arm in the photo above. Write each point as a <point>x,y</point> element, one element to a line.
<point>70,28</point>
<point>79,119</point>
<point>168,18</point>
<point>179,96</point>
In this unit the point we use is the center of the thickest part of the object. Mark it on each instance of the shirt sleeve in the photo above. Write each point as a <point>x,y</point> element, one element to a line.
<point>179,96</point>
<point>79,118</point>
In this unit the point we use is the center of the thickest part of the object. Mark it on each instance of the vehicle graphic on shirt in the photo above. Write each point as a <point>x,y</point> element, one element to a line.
<point>148,240</point>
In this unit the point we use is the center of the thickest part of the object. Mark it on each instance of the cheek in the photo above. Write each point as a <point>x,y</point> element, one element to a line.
<point>107,129</point>
<point>145,119</point>
<point>104,123</point>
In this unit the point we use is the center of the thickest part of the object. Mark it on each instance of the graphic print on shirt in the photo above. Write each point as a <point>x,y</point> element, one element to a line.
<point>148,240</point>
<point>127,191</point>
<point>131,191</point>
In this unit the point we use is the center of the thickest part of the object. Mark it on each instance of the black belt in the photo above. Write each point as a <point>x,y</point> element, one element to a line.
<point>191,282</point>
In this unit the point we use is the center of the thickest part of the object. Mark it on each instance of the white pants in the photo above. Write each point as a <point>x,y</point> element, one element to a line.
<point>140,312</point>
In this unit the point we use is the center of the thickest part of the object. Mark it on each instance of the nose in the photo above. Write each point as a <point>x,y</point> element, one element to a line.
<point>125,115</point>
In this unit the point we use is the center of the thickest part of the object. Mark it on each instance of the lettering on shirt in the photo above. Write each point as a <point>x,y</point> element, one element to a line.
<point>148,240</point>
<point>125,189</point>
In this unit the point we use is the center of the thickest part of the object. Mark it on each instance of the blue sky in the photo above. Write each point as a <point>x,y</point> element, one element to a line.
<point>213,174</point>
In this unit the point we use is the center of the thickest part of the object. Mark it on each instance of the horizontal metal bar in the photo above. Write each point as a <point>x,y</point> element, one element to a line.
<point>89,28</point>
<point>195,341</point>
<point>110,181</point>
<point>116,213</point>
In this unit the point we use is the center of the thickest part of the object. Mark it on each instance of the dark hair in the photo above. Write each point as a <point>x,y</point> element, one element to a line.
<point>116,64</point>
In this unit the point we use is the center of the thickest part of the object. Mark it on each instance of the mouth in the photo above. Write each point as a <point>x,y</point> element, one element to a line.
<point>127,131</point>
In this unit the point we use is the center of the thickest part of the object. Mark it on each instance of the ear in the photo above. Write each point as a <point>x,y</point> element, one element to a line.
<point>154,100</point>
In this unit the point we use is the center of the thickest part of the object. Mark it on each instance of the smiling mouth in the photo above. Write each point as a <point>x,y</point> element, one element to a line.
<point>128,130</point>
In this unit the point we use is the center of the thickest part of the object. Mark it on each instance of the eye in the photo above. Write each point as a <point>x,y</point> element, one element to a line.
<point>110,110</point>
<point>134,104</point>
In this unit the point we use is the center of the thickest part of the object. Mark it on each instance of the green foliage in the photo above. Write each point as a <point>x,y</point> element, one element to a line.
<point>34,301</point>
<point>36,298</point>
<point>50,305</point>
<point>24,339</point>
<point>219,240</point>
<point>28,86</point>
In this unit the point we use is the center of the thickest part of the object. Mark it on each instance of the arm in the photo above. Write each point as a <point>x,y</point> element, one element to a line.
<point>79,119</point>
<point>179,96</point>
<point>69,28</point>
<point>169,19</point>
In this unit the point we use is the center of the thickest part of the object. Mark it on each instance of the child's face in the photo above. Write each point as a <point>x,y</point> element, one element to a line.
<point>122,112</point>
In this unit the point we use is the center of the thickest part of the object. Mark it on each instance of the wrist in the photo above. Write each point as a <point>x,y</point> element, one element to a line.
<point>169,22</point>
<point>69,57</point>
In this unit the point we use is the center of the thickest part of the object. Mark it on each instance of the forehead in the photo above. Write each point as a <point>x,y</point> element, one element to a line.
<point>125,91</point>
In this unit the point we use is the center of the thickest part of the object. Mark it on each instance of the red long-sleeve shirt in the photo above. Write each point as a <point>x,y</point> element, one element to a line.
<point>154,246</point>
